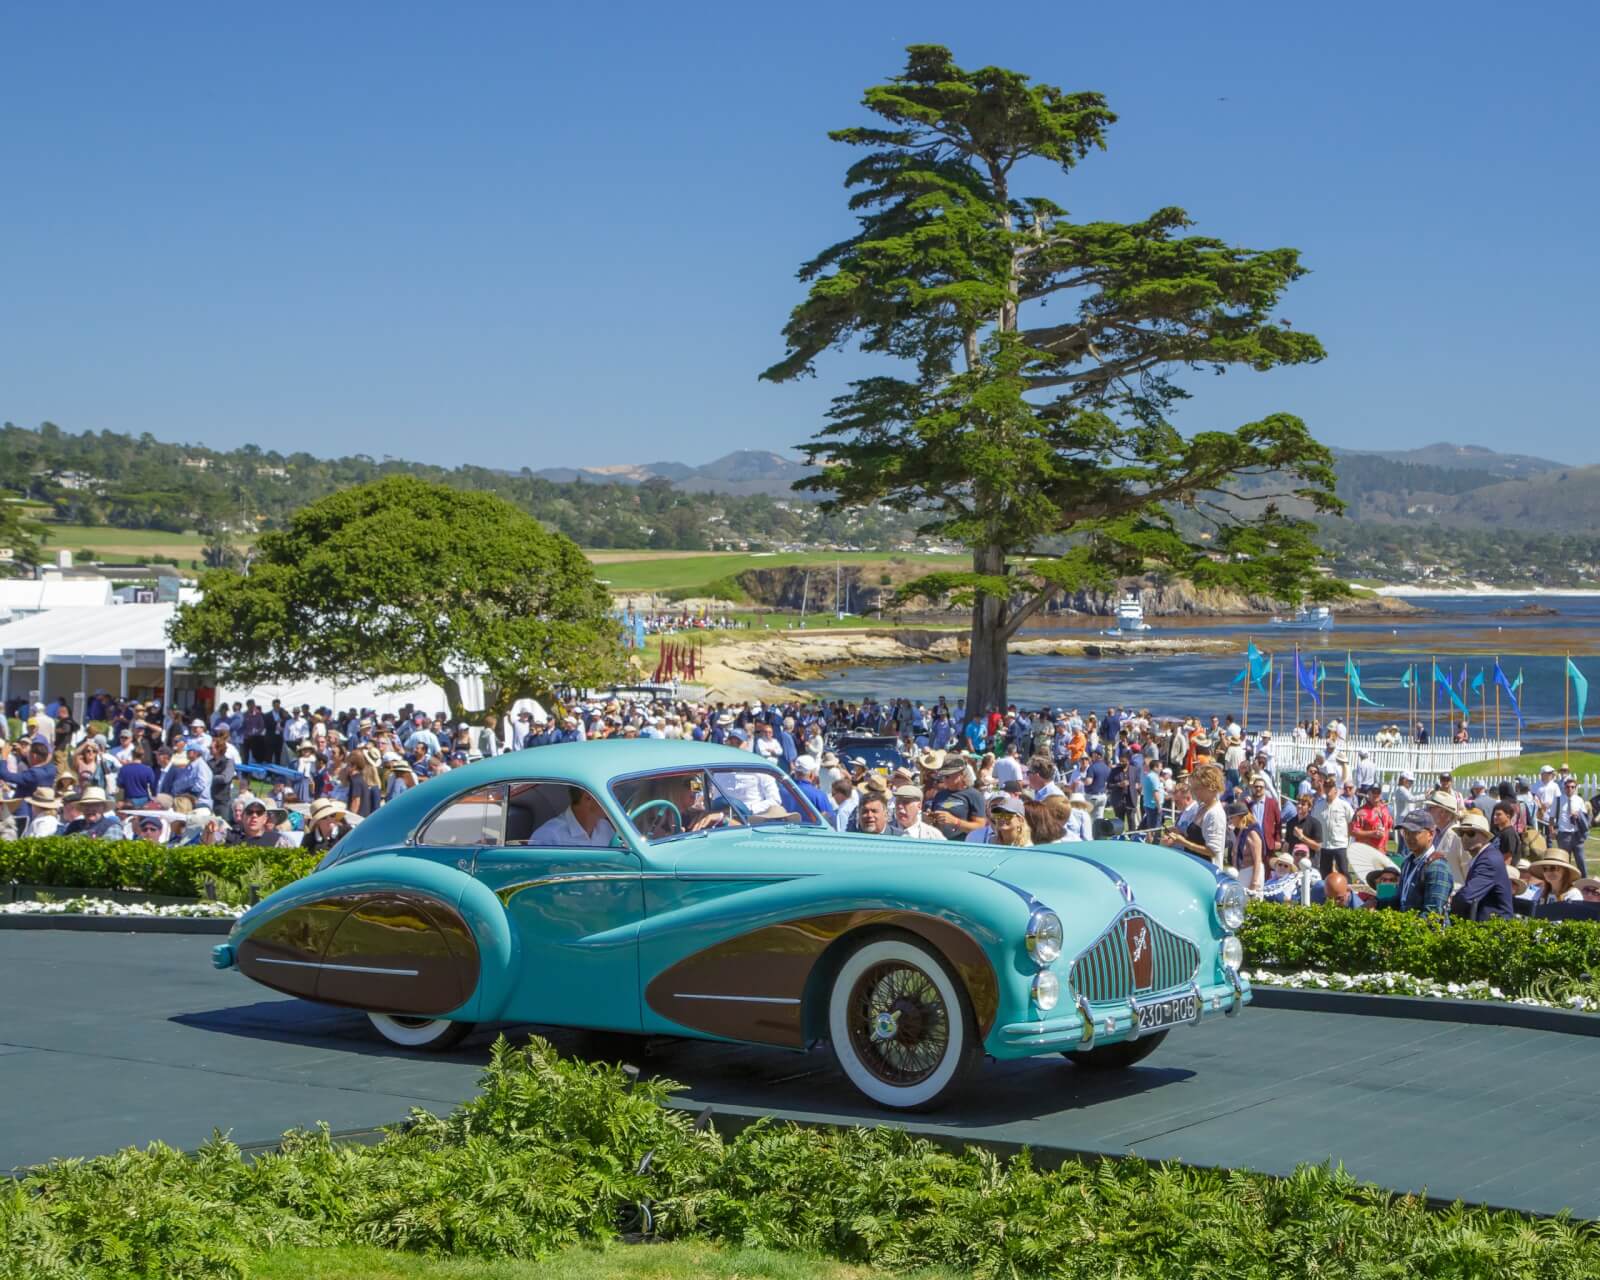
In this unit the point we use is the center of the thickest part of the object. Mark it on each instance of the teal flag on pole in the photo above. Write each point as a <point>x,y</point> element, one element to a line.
<point>1405,680</point>
<point>1477,681</point>
<point>1580,687</point>
<point>1442,679</point>
<point>1353,674</point>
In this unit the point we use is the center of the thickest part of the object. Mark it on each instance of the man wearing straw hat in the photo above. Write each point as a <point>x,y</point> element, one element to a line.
<point>1486,893</point>
<point>93,819</point>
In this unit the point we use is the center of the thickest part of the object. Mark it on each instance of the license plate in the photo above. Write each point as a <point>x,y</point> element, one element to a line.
<point>1168,1013</point>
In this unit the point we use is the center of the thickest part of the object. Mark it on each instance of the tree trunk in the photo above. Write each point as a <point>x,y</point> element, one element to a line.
<point>986,664</point>
<point>452,691</point>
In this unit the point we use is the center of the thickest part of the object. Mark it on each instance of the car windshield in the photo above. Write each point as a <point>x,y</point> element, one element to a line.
<point>677,802</point>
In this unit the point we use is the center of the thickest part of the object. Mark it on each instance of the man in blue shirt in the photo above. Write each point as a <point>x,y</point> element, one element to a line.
<point>194,779</point>
<point>30,768</point>
<point>804,773</point>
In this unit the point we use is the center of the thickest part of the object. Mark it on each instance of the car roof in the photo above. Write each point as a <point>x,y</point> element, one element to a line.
<point>599,762</point>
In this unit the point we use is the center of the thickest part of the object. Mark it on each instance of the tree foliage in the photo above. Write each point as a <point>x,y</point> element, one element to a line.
<point>1037,359</point>
<point>406,578</point>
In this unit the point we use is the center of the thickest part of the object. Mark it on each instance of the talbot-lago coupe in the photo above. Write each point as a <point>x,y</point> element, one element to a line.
<point>680,889</point>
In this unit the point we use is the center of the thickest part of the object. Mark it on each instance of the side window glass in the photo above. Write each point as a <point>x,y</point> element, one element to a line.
<point>552,815</point>
<point>475,818</point>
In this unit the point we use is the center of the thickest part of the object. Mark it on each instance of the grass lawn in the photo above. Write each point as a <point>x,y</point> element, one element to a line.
<point>668,573</point>
<point>617,1262</point>
<point>1528,766</point>
<point>124,544</point>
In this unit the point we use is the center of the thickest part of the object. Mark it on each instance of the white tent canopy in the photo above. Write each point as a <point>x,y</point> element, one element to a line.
<point>376,696</point>
<point>123,649</point>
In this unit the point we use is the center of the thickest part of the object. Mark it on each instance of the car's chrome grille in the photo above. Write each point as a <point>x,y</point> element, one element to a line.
<point>1104,971</point>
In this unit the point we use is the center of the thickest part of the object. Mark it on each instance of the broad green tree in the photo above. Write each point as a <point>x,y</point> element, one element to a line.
<point>21,536</point>
<point>406,578</point>
<point>1035,362</point>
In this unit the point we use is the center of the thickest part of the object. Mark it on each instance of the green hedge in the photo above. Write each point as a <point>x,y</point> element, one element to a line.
<point>549,1156</point>
<point>85,863</point>
<point>1508,953</point>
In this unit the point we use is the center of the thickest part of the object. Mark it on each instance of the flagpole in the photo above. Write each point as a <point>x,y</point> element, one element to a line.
<point>1249,676</point>
<point>1497,698</point>
<point>1433,703</point>
<point>1297,686</point>
<point>1566,710</point>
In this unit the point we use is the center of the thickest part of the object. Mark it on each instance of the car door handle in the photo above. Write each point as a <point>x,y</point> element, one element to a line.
<point>464,864</point>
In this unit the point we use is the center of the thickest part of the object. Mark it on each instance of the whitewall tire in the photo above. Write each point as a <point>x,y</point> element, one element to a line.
<point>902,1027</point>
<point>433,1035</point>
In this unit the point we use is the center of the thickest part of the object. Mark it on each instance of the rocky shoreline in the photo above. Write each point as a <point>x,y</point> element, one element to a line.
<point>768,666</point>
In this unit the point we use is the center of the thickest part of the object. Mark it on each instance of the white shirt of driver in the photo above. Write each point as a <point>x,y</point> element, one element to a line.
<point>565,831</point>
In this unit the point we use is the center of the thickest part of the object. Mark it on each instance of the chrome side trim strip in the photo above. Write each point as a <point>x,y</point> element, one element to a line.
<point>341,968</point>
<point>686,995</point>
<point>773,877</point>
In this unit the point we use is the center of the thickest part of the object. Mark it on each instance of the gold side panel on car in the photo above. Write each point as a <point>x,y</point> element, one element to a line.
<point>751,987</point>
<point>390,952</point>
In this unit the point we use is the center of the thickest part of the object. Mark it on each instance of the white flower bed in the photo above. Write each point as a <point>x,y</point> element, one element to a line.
<point>1405,984</point>
<point>137,910</point>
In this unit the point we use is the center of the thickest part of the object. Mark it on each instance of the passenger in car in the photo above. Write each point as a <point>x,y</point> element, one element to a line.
<point>583,824</point>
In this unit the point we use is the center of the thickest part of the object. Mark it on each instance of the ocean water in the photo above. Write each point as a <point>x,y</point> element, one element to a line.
<point>1456,631</point>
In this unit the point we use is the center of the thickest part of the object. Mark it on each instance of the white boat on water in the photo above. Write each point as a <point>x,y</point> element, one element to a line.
<point>1130,616</point>
<point>1318,618</point>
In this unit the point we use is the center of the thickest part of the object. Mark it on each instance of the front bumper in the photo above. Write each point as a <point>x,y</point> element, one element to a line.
<point>1086,1025</point>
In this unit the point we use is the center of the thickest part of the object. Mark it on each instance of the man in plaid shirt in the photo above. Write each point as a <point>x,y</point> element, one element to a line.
<point>1425,879</point>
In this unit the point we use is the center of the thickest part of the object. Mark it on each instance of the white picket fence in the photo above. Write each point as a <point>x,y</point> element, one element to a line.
<point>1420,762</point>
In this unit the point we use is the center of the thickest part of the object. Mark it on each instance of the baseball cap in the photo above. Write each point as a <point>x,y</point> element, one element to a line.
<point>907,791</point>
<point>1006,804</point>
<point>1416,820</point>
<point>805,764</point>
<point>257,804</point>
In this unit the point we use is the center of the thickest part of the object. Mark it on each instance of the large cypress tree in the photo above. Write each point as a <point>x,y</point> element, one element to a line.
<point>1035,364</point>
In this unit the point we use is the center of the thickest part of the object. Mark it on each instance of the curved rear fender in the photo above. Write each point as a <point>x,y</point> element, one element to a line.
<point>387,873</point>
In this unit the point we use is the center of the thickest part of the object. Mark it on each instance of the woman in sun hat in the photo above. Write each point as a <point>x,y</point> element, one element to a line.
<point>1555,877</point>
<point>46,808</point>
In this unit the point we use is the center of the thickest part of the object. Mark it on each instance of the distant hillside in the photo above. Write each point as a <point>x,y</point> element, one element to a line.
<point>741,473</point>
<point>1460,457</point>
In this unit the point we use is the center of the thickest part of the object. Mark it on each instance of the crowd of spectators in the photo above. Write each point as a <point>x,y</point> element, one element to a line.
<point>262,773</point>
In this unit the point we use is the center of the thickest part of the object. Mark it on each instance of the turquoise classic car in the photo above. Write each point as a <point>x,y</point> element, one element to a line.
<point>677,888</point>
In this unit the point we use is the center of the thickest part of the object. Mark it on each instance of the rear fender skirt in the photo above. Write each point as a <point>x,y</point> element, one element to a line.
<point>391,951</point>
<point>756,986</point>
<point>385,933</point>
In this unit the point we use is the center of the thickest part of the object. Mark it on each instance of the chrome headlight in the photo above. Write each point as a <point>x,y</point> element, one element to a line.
<point>1044,936</point>
<point>1046,990</point>
<point>1232,953</point>
<point>1231,898</point>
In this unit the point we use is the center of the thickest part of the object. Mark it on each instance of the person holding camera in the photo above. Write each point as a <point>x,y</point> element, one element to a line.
<point>27,767</point>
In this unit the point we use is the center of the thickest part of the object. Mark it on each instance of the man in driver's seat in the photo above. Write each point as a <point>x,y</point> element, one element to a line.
<point>673,805</point>
<point>583,823</point>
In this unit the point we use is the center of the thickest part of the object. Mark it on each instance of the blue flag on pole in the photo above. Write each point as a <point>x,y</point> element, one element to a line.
<point>1511,692</point>
<point>1405,680</point>
<point>1306,677</point>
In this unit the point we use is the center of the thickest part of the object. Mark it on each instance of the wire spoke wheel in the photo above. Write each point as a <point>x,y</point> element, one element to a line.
<point>900,1024</point>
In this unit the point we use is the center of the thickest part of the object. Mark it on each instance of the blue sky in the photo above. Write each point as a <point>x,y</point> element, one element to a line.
<point>549,235</point>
